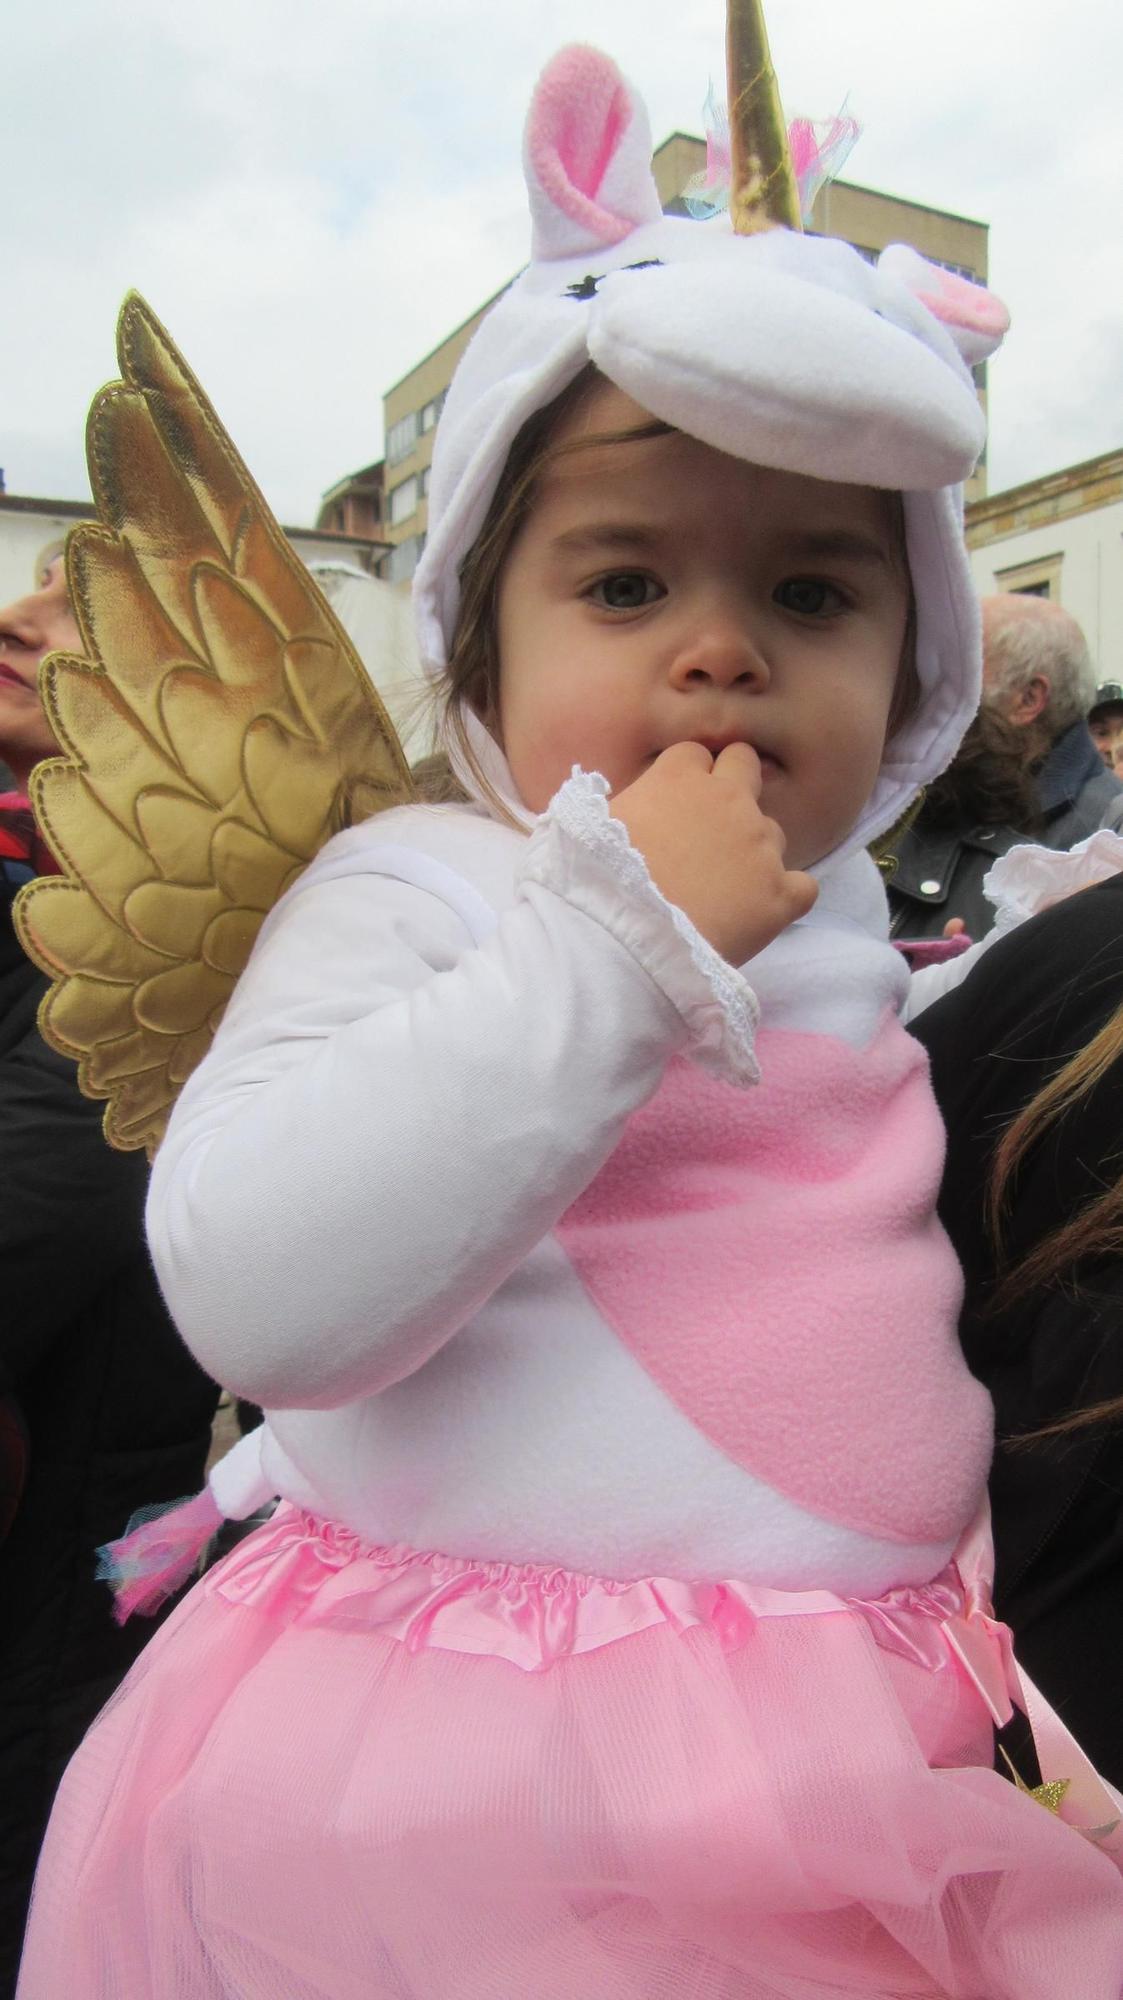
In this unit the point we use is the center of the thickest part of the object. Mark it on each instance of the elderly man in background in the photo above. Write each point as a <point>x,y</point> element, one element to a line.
<point>1037,673</point>
<point>1042,777</point>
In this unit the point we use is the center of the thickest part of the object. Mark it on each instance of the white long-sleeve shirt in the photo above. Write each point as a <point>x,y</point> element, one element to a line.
<point>443,1199</point>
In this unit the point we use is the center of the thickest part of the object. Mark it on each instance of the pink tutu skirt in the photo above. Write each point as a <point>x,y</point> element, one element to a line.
<point>345,1773</point>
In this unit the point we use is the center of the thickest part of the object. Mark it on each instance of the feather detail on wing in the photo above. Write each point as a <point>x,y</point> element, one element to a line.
<point>219,731</point>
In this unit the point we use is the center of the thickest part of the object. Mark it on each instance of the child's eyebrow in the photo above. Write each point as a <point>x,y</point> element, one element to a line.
<point>839,545</point>
<point>600,535</point>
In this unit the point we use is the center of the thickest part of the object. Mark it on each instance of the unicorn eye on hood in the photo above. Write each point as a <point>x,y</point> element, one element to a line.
<point>785,349</point>
<point>586,287</point>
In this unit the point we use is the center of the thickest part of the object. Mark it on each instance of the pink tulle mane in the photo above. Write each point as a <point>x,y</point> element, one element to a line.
<point>819,149</point>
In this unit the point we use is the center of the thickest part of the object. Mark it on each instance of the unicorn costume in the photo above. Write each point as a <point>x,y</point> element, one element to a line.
<point>556,1246</point>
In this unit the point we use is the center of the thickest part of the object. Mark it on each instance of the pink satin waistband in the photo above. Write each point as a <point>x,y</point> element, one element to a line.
<point>308,1571</point>
<point>314,1571</point>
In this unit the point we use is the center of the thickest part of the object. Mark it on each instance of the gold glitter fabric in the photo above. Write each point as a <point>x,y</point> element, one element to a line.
<point>218,730</point>
<point>763,191</point>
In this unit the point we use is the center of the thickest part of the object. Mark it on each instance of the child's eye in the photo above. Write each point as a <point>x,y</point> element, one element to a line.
<point>809,595</point>
<point>625,590</point>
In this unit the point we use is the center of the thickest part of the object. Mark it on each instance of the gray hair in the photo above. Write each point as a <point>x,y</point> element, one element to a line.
<point>1041,638</point>
<point>48,554</point>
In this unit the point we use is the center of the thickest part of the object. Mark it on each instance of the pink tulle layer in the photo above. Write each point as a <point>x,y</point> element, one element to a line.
<point>320,1783</point>
<point>157,1553</point>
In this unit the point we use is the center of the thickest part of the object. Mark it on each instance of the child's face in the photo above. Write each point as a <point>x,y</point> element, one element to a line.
<point>661,592</point>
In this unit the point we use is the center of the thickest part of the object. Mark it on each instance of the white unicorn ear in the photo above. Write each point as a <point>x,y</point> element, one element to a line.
<point>974,318</point>
<point>587,156</point>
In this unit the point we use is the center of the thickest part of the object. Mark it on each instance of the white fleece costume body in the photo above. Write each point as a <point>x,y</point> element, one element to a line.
<point>356,1214</point>
<point>462,1194</point>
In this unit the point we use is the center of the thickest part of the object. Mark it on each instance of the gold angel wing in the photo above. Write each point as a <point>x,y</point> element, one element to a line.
<point>219,731</point>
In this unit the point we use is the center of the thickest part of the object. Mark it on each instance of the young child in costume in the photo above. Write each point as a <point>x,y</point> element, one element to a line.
<point>562,1184</point>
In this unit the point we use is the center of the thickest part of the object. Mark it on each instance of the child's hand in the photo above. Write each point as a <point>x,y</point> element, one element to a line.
<point>697,822</point>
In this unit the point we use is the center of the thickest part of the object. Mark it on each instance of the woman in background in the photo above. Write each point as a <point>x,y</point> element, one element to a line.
<point>1027,1063</point>
<point>102,1409</point>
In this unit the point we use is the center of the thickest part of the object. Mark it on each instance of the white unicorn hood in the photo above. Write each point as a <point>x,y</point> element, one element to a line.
<point>789,350</point>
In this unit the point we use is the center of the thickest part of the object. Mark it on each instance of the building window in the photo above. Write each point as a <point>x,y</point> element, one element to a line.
<point>401,562</point>
<point>1032,579</point>
<point>423,480</point>
<point>402,438</point>
<point>432,411</point>
<point>403,501</point>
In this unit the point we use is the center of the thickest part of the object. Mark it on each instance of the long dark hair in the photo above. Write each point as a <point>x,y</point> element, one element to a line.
<point>989,782</point>
<point>1095,1231</point>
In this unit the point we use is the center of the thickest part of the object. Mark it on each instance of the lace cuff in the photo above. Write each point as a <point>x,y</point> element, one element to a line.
<point>580,852</point>
<point>1028,879</point>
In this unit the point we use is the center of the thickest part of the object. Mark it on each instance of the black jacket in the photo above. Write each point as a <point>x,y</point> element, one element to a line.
<point>115,1412</point>
<point>1036,998</point>
<point>939,872</point>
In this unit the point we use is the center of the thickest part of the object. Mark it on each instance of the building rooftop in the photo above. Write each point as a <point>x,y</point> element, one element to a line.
<point>84,510</point>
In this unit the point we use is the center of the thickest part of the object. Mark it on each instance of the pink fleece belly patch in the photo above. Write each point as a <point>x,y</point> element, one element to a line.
<point>773,1260</point>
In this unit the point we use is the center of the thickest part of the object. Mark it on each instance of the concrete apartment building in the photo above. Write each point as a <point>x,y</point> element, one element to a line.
<point>412,407</point>
<point>1061,537</point>
<point>353,506</point>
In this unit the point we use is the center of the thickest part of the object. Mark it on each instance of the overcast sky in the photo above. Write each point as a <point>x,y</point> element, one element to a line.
<point>312,195</point>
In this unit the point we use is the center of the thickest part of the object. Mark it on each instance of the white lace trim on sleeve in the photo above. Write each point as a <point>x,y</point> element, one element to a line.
<point>1028,879</point>
<point>581,852</point>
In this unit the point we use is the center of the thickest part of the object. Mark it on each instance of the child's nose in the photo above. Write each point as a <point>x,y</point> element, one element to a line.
<point>720,652</point>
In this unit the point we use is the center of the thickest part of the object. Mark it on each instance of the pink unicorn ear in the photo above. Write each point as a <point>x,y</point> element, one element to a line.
<point>587,155</point>
<point>974,317</point>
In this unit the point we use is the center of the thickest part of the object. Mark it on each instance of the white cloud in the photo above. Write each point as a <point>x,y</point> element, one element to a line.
<point>312,197</point>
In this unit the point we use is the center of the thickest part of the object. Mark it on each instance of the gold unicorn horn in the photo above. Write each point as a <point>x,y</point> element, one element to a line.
<point>762,186</point>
